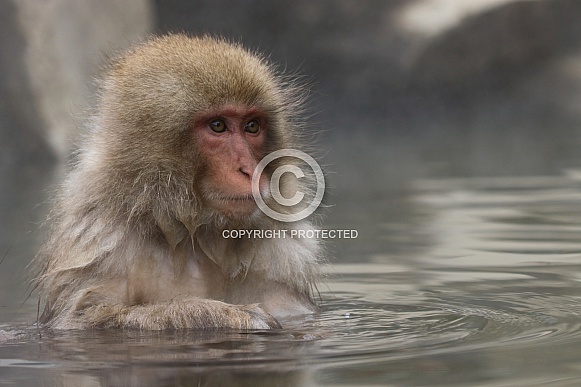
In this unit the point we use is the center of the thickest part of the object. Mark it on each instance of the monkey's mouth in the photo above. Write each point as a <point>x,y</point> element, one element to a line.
<point>237,198</point>
<point>233,204</point>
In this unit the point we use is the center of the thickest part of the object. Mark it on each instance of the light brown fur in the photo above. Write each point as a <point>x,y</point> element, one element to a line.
<point>133,240</point>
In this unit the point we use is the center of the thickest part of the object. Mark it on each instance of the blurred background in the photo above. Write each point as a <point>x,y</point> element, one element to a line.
<point>400,90</point>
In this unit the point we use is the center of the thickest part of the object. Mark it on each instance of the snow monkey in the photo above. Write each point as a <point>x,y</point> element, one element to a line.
<point>137,229</point>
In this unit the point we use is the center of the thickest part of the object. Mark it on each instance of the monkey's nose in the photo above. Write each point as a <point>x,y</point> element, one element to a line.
<point>246,172</point>
<point>246,167</point>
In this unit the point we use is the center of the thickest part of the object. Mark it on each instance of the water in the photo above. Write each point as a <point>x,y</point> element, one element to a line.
<point>454,282</point>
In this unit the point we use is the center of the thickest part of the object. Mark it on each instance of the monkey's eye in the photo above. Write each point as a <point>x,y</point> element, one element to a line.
<point>218,126</point>
<point>252,127</point>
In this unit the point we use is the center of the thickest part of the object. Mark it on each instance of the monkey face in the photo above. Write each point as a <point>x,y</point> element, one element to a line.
<point>183,123</point>
<point>231,141</point>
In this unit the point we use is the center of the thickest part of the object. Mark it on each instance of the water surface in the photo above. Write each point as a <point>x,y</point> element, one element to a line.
<point>454,282</point>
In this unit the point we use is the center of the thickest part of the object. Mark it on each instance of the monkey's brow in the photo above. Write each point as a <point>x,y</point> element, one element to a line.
<point>233,110</point>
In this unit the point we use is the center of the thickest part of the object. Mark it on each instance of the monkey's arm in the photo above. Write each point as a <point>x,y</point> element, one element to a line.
<point>94,308</point>
<point>179,314</point>
<point>94,302</point>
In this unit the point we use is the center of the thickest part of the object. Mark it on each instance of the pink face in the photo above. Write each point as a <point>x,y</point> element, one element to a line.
<point>231,140</point>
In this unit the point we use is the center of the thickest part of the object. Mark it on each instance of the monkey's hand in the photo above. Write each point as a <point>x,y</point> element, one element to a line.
<point>259,317</point>
<point>185,313</point>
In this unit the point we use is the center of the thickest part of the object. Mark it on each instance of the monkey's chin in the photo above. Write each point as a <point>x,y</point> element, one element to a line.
<point>235,207</point>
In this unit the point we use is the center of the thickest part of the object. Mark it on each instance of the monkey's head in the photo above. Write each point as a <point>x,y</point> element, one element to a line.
<point>183,123</point>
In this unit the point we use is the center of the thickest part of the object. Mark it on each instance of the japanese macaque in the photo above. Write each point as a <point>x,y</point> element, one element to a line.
<point>136,237</point>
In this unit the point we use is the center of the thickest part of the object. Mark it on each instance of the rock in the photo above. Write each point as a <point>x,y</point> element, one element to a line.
<point>66,42</point>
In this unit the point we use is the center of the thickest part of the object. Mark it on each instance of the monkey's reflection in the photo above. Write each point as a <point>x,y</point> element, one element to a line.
<point>188,358</point>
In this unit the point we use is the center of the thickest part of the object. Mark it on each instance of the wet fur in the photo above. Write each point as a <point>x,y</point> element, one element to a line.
<point>132,243</point>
